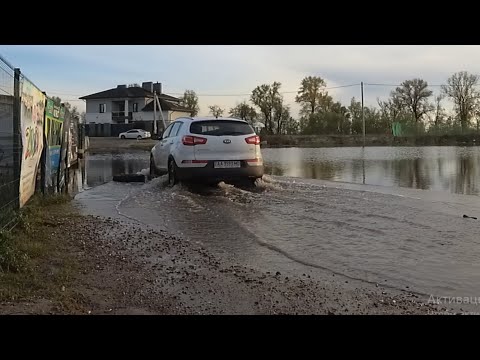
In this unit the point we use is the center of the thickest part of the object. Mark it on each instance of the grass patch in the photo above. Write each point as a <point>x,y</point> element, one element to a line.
<point>12,258</point>
<point>34,257</point>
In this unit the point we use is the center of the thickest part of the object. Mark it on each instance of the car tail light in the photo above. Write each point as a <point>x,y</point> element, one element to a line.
<point>193,140</point>
<point>253,140</point>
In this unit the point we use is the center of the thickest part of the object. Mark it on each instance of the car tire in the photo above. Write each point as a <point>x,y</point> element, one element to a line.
<point>139,137</point>
<point>153,169</point>
<point>122,137</point>
<point>172,173</point>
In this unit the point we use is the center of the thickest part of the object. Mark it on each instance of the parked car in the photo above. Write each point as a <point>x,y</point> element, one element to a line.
<point>138,134</point>
<point>210,149</point>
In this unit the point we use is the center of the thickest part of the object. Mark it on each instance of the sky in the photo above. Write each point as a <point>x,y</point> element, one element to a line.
<point>225,75</point>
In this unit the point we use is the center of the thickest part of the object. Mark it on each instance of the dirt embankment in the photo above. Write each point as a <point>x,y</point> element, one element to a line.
<point>90,265</point>
<point>113,144</point>
<point>370,140</point>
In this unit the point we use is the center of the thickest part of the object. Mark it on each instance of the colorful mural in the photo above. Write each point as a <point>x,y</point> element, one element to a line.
<point>32,113</point>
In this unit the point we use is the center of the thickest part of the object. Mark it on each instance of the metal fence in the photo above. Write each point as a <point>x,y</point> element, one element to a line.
<point>29,158</point>
<point>10,145</point>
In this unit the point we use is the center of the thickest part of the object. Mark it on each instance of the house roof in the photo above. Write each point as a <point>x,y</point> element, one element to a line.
<point>166,101</point>
<point>167,104</point>
<point>127,92</point>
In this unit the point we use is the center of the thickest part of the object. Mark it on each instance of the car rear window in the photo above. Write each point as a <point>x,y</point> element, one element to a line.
<point>221,128</point>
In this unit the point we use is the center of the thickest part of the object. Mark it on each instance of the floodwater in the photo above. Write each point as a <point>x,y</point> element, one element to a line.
<point>445,168</point>
<point>402,237</point>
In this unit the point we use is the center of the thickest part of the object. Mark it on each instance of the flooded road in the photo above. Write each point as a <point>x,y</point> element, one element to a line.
<point>406,239</point>
<point>451,169</point>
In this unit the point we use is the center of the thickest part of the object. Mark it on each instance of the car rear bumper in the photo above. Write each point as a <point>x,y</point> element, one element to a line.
<point>208,172</point>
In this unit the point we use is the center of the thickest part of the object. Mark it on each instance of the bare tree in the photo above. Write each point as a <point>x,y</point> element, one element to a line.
<point>216,110</point>
<point>461,89</point>
<point>190,101</point>
<point>439,111</point>
<point>413,95</point>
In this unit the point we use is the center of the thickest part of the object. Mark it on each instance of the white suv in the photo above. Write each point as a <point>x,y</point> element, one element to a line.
<point>211,149</point>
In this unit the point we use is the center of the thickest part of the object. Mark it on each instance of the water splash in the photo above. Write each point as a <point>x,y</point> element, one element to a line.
<point>145,172</point>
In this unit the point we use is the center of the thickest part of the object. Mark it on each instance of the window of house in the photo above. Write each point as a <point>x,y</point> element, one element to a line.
<point>135,107</point>
<point>103,108</point>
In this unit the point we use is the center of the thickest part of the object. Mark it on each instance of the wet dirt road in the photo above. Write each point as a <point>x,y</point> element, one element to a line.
<point>403,239</point>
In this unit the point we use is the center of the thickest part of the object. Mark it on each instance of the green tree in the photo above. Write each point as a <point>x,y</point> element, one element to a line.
<point>56,100</point>
<point>245,112</point>
<point>190,101</point>
<point>216,110</point>
<point>312,94</point>
<point>341,122</point>
<point>355,111</point>
<point>291,126</point>
<point>266,97</point>
<point>281,114</point>
<point>413,95</point>
<point>393,109</point>
<point>461,88</point>
<point>73,110</point>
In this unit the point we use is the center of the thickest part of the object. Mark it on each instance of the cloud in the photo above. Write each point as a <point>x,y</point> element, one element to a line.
<point>77,70</point>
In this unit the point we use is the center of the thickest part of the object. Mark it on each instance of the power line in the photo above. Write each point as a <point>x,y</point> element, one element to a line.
<point>244,94</point>
<point>281,92</point>
<point>394,85</point>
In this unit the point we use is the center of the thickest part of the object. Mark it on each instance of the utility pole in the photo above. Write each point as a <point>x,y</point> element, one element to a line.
<point>18,146</point>
<point>363,117</point>
<point>154,113</point>
<point>161,112</point>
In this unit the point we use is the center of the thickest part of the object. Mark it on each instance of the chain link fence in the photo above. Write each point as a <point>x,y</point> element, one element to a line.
<point>10,147</point>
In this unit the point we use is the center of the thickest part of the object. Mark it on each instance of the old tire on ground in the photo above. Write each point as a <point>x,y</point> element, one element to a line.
<point>172,173</point>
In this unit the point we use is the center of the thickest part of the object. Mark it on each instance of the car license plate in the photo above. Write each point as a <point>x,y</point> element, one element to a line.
<point>226,164</point>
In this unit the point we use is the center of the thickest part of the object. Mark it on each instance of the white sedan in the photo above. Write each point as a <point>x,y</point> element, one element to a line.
<point>138,134</point>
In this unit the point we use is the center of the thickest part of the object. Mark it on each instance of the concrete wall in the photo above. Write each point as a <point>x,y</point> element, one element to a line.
<point>174,115</point>
<point>93,107</point>
<point>92,113</point>
<point>148,116</point>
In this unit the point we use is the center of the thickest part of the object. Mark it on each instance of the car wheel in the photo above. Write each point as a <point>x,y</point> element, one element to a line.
<point>122,137</point>
<point>153,170</point>
<point>139,137</point>
<point>172,174</point>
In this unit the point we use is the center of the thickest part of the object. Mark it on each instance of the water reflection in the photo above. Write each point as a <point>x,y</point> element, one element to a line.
<point>100,168</point>
<point>450,169</point>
